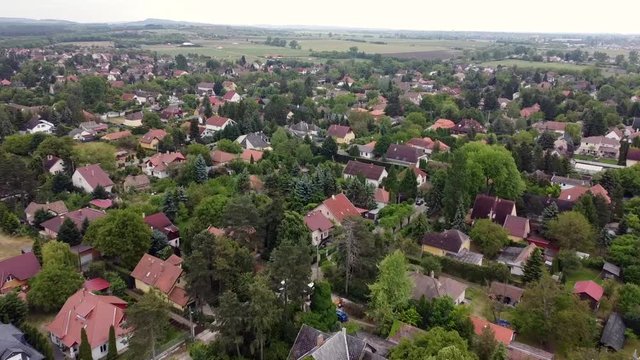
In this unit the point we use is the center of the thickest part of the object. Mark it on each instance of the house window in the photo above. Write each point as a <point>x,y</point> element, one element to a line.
<point>103,348</point>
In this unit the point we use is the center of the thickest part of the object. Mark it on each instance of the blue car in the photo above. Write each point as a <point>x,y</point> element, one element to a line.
<point>342,316</point>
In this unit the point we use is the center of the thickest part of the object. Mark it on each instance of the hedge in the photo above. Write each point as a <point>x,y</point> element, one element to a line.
<point>483,275</point>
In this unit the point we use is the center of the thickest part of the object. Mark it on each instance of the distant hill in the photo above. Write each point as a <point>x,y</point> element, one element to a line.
<point>161,22</point>
<point>7,20</point>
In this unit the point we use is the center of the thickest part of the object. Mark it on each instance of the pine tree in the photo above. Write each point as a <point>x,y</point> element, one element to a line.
<point>99,193</point>
<point>605,239</point>
<point>242,182</point>
<point>170,206</point>
<point>549,213</point>
<point>69,233</point>
<point>85,347</point>
<point>409,185</point>
<point>194,130</point>
<point>208,110</point>
<point>201,174</point>
<point>113,349</point>
<point>37,249</point>
<point>458,221</point>
<point>533,268</point>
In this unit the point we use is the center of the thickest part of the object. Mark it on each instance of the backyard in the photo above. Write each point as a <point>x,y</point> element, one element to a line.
<point>11,245</point>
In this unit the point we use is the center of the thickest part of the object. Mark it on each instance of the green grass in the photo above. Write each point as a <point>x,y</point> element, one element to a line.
<point>535,65</point>
<point>480,302</point>
<point>582,274</point>
<point>601,160</point>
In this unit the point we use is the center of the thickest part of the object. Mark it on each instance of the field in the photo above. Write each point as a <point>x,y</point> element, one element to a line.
<point>89,43</point>
<point>254,48</point>
<point>11,245</point>
<point>535,65</point>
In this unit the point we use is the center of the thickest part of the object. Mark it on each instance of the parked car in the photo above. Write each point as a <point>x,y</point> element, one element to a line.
<point>342,316</point>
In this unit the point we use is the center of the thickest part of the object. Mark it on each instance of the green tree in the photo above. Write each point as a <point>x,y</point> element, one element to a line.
<point>85,348</point>
<point>52,287</point>
<point>206,104</point>
<point>549,213</point>
<point>429,344</point>
<point>99,193</point>
<point>533,267</point>
<point>58,253</point>
<point>200,169</point>
<point>572,231</point>
<point>117,285</point>
<point>231,321</point>
<point>263,312</point>
<point>391,292</point>
<point>229,146</point>
<point>150,315</point>
<point>408,187</point>
<point>329,147</point>
<point>360,193</point>
<point>323,311</point>
<point>181,62</point>
<point>355,255</point>
<point>113,348</point>
<point>459,223</point>
<point>485,344</point>
<point>69,233</point>
<point>122,234</point>
<point>489,237</point>
<point>13,310</point>
<point>194,130</point>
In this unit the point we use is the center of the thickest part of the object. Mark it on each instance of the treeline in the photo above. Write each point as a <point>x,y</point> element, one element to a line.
<point>275,41</point>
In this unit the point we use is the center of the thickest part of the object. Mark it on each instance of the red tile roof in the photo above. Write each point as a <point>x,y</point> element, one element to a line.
<point>117,135</point>
<point>228,95</point>
<point>96,284</point>
<point>160,161</point>
<point>57,207</point>
<point>247,154</point>
<point>316,221</point>
<point>160,221</point>
<point>128,97</point>
<point>338,131</point>
<point>381,196</point>
<point>94,313</point>
<point>94,176</point>
<point>174,260</point>
<point>427,143</point>
<point>222,157</point>
<point>102,203</point>
<point>77,216</point>
<point>589,288</point>
<point>501,333</point>
<point>153,134</point>
<point>157,273</point>
<point>576,192</point>
<point>21,267</point>
<point>340,207</point>
<point>215,231</point>
<point>442,124</point>
<point>516,226</point>
<point>217,121</point>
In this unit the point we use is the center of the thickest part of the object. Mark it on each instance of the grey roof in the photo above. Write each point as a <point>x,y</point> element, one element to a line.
<point>257,140</point>
<point>322,346</point>
<point>561,180</point>
<point>613,333</point>
<point>611,268</point>
<point>431,288</point>
<point>468,257</point>
<point>304,127</point>
<point>12,343</point>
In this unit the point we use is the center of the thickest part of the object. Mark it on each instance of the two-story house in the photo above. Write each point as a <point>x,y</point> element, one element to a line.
<point>160,222</point>
<point>341,134</point>
<point>373,174</point>
<point>319,226</point>
<point>158,165</point>
<point>164,276</point>
<point>90,177</point>
<point>152,139</point>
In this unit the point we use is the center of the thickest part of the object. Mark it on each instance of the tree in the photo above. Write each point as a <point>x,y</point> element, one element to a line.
<point>408,187</point>
<point>52,287</point>
<point>552,315</point>
<point>37,248</point>
<point>200,170</point>
<point>113,347</point>
<point>355,256</point>
<point>459,222</point>
<point>485,345</point>
<point>99,193</point>
<point>391,292</point>
<point>533,268</point>
<point>150,315</point>
<point>121,234</point>
<point>13,310</point>
<point>181,62</point>
<point>159,241</point>
<point>69,232</point>
<point>194,130</point>
<point>229,146</point>
<point>243,222</point>
<point>329,147</point>
<point>85,348</point>
<point>263,313</point>
<point>382,145</point>
<point>489,237</point>
<point>360,193</point>
<point>117,285</point>
<point>572,231</point>
<point>323,311</point>
<point>586,207</point>
<point>231,320</point>
<point>208,110</point>
<point>58,253</point>
<point>547,140</point>
<point>549,213</point>
<point>429,344</point>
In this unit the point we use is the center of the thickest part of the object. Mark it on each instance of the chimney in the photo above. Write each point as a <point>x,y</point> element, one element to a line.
<point>432,274</point>
<point>93,172</point>
<point>319,340</point>
<point>333,197</point>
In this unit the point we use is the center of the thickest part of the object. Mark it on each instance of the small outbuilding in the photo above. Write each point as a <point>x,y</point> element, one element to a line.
<point>613,333</point>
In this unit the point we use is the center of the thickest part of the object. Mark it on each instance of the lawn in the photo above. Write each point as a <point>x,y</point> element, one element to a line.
<point>536,65</point>
<point>11,245</point>
<point>582,274</point>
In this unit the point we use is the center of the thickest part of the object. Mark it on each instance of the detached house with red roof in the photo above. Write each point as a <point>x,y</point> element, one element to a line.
<point>152,139</point>
<point>341,134</point>
<point>337,208</point>
<point>158,165</point>
<point>444,124</point>
<point>427,145</point>
<point>16,271</point>
<point>319,226</point>
<point>160,221</point>
<point>231,96</point>
<point>215,124</point>
<point>373,174</point>
<point>164,276</point>
<point>575,193</point>
<point>52,226</point>
<point>502,334</point>
<point>90,177</point>
<point>94,313</point>
<point>590,291</point>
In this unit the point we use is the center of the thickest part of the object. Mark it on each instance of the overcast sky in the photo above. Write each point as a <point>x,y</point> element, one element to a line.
<point>612,16</point>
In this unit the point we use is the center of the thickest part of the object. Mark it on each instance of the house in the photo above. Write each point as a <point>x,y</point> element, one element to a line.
<point>164,276</point>
<point>613,332</point>
<point>55,208</point>
<point>633,156</point>
<point>115,136</point>
<point>590,291</point>
<point>492,207</point>
<point>502,334</point>
<point>86,255</point>
<point>314,344</point>
<point>557,127</point>
<point>215,124</point>
<point>404,155</point>
<point>231,96</point>
<point>403,331</point>
<point>220,157</point>
<point>133,119</point>
<point>341,134</point>
<point>337,208</point>
<point>421,176</point>
<point>136,182</point>
<point>158,165</point>
<point>382,197</point>
<point>527,112</point>
<point>431,287</point>
<point>205,88</point>
<point>82,135</point>
<point>160,222</point>
<point>319,226</point>
<point>101,204</point>
<point>52,164</point>
<point>520,351</point>
<point>505,293</point>
<point>346,80</point>
<point>517,227</point>
<point>373,174</point>
<point>304,129</point>
<point>468,126</point>
<point>366,150</point>
<point>445,124</point>
<point>575,193</point>
<point>94,313</point>
<point>39,126</point>
<point>610,271</point>
<point>151,140</point>
<point>254,141</point>
<point>617,134</point>
<point>599,146</point>
<point>15,272</point>
<point>14,345</point>
<point>427,145</point>
<point>90,177</point>
<point>93,126</point>
<point>449,241</point>
<point>96,285</point>
<point>251,156</point>
<point>52,226</point>
<point>171,112</point>
<point>516,257</point>
<point>568,183</point>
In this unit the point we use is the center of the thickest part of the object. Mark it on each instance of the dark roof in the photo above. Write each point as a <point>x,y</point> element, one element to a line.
<point>160,221</point>
<point>633,154</point>
<point>324,346</point>
<point>21,267</point>
<point>13,342</point>
<point>506,290</point>
<point>613,333</point>
<point>450,240</point>
<point>490,207</point>
<point>369,171</point>
<point>611,268</point>
<point>535,204</point>
<point>561,180</point>
<point>338,131</point>
<point>49,161</point>
<point>256,139</point>
<point>516,226</point>
<point>403,153</point>
<point>466,126</point>
<point>520,351</point>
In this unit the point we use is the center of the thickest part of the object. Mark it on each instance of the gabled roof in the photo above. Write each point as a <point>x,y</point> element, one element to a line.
<point>490,207</point>
<point>160,221</point>
<point>222,157</point>
<point>338,131</point>
<point>319,345</point>
<point>77,216</point>
<point>152,134</point>
<point>467,125</point>
<point>247,154</point>
<point>13,342</point>
<point>431,288</point>
<point>116,135</point>
<point>94,176</point>
<point>516,226</point>
<point>340,207</point>
<point>49,161</point>
<point>404,331</point>
<point>450,240</point>
<point>520,351</point>
<point>613,333</point>
<point>229,95</point>
<point>368,171</point>
<point>137,181</point>
<point>316,221</point>
<point>161,161</point>
<point>506,290</point>
<point>96,284</point>
<point>427,143</point>
<point>56,207</point>
<point>404,153</point>
<point>22,267</point>
<point>611,268</point>
<point>589,288</point>
<point>501,333</point>
<point>256,139</point>
<point>157,273</point>
<point>575,193</point>
<point>381,196</point>
<point>217,121</point>
<point>94,313</point>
